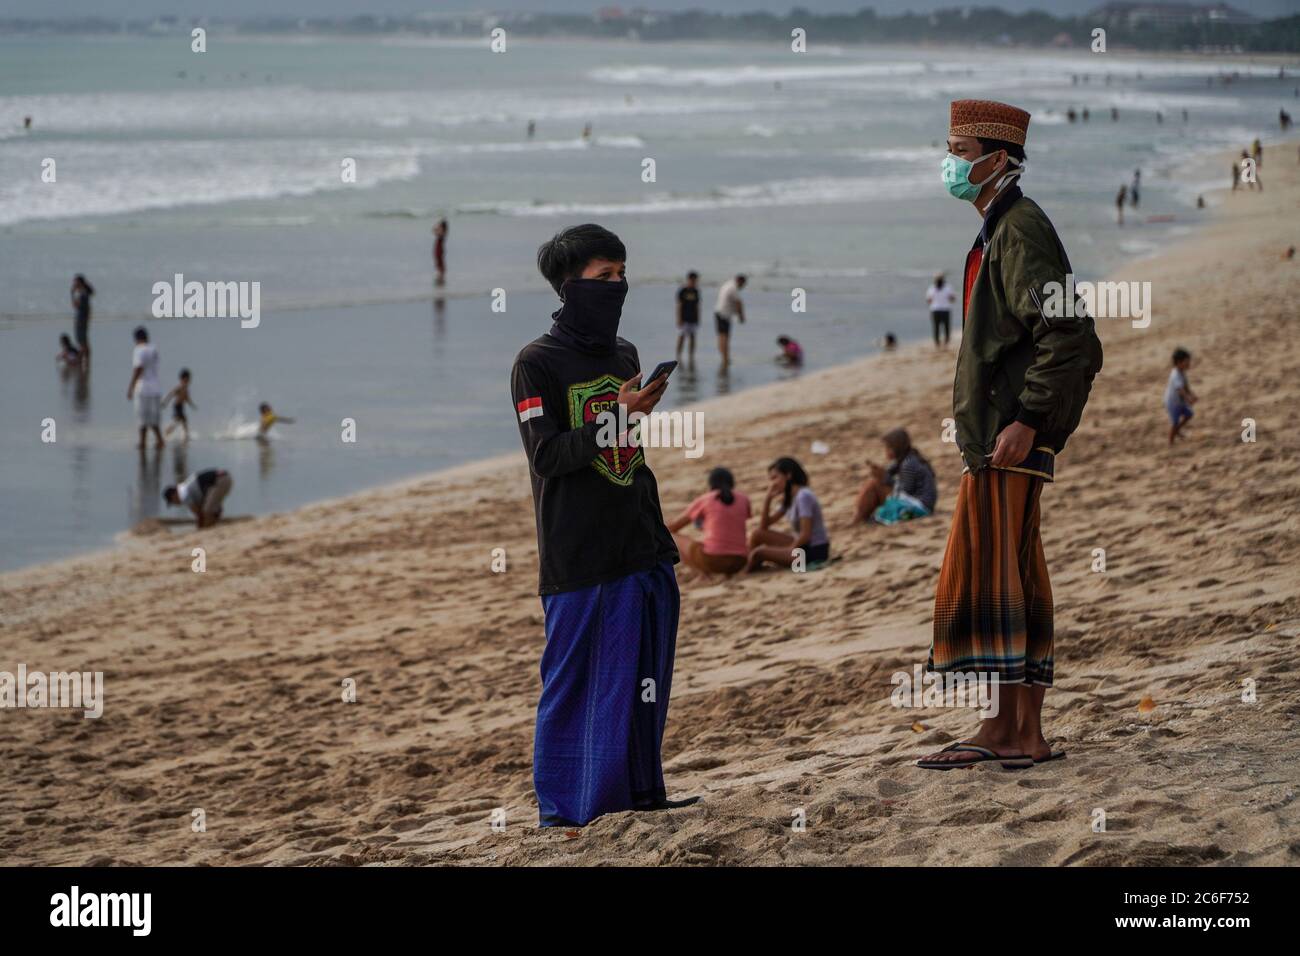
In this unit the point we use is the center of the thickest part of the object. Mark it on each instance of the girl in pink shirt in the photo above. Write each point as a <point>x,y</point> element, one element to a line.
<point>721,513</point>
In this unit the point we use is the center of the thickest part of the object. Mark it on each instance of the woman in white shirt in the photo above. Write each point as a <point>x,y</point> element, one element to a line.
<point>941,299</point>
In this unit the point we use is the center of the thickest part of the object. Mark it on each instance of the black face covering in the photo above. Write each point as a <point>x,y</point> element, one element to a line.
<point>588,320</point>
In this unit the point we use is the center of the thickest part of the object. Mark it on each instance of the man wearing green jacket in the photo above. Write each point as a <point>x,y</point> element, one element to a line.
<point>1022,379</point>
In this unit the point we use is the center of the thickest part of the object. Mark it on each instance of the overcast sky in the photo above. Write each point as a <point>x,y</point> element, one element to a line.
<point>139,9</point>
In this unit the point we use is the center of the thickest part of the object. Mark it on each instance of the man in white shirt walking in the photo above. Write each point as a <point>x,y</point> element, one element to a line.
<point>728,307</point>
<point>145,387</point>
<point>941,298</point>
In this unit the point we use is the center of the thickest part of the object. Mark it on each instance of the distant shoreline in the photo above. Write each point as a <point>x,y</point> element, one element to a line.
<point>816,46</point>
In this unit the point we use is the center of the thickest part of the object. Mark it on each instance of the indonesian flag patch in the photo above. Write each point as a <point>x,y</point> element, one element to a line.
<point>530,408</point>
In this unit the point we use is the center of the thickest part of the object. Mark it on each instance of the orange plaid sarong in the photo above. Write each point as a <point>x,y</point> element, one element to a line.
<point>993,605</point>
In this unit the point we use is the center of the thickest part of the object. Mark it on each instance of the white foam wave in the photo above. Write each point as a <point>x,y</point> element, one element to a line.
<point>821,190</point>
<point>655,75</point>
<point>120,177</point>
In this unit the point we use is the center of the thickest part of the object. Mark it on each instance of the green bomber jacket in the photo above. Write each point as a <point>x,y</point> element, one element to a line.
<point>1017,362</point>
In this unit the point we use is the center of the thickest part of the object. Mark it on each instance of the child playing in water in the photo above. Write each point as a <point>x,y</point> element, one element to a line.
<point>181,395</point>
<point>791,352</point>
<point>69,354</point>
<point>268,418</point>
<point>1179,396</point>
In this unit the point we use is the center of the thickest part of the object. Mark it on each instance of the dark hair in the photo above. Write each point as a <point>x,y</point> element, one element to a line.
<point>900,443</point>
<point>264,407</point>
<point>169,493</point>
<point>1014,150</point>
<point>141,334</point>
<point>567,253</point>
<point>783,340</point>
<point>64,340</point>
<point>185,373</point>
<point>721,481</point>
<point>1181,355</point>
<point>692,274</point>
<point>741,279</point>
<point>794,474</point>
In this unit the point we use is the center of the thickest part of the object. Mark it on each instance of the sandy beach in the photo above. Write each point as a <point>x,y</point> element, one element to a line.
<point>223,689</point>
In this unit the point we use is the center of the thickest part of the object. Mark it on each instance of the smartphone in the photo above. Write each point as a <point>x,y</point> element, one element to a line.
<point>663,368</point>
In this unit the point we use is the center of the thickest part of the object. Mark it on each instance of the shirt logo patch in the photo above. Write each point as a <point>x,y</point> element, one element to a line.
<point>530,408</point>
<point>587,400</point>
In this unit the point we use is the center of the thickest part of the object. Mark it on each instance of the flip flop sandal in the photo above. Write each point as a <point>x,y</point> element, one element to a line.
<point>1009,762</point>
<point>1055,755</point>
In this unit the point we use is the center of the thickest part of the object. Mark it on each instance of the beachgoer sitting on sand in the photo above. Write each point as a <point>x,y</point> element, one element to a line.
<point>1179,396</point>
<point>790,485</point>
<point>904,489</point>
<point>721,514</point>
<point>202,492</point>
<point>268,418</point>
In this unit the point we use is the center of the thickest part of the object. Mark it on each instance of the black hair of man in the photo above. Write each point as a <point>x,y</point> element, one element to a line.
<point>567,253</point>
<point>1014,150</point>
<point>141,334</point>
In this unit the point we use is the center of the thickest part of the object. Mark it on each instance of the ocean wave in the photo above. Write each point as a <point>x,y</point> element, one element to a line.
<point>896,154</point>
<point>288,109</point>
<point>132,177</point>
<point>167,174</point>
<point>654,75</point>
<point>809,191</point>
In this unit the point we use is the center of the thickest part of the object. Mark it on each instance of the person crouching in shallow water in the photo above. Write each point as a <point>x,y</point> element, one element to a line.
<point>203,493</point>
<point>1022,380</point>
<point>609,593</point>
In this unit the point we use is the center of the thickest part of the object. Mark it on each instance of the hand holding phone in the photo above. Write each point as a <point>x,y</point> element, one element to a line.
<point>663,368</point>
<point>640,397</point>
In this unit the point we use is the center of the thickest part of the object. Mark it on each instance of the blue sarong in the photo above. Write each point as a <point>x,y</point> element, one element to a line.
<point>899,507</point>
<point>606,678</point>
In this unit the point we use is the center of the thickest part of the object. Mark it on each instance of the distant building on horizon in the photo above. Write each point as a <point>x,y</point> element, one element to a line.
<point>1171,14</point>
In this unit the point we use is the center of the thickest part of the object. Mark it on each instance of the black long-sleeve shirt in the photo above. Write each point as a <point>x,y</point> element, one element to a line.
<point>598,514</point>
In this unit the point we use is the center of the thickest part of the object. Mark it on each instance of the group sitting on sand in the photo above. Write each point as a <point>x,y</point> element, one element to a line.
<point>903,490</point>
<point>721,514</point>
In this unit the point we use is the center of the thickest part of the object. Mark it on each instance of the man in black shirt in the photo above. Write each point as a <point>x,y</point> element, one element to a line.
<point>688,313</point>
<point>608,588</point>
